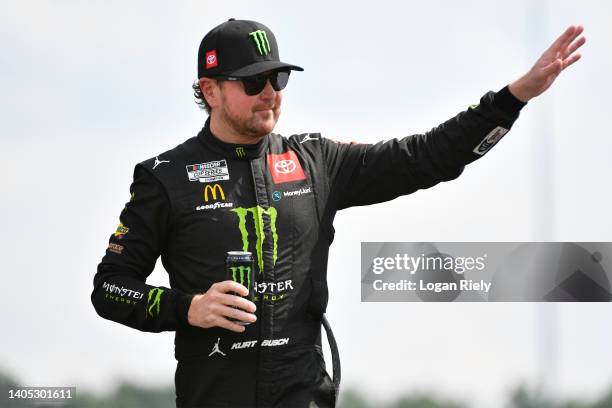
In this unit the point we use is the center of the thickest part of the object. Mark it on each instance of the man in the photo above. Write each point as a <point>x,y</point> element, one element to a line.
<point>237,186</point>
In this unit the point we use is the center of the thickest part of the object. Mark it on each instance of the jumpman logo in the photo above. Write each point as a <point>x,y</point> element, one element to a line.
<point>307,138</point>
<point>216,348</point>
<point>158,162</point>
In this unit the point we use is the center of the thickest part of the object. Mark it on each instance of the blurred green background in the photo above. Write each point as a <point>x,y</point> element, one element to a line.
<point>128,395</point>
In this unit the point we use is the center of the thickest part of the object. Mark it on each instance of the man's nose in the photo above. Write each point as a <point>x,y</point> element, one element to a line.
<point>268,92</point>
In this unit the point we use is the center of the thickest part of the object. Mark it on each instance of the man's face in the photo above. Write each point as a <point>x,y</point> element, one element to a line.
<point>252,116</point>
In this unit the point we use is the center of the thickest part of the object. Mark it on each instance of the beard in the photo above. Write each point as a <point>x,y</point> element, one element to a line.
<point>256,124</point>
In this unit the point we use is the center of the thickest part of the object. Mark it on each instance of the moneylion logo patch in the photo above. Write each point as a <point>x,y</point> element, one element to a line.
<point>261,40</point>
<point>259,220</point>
<point>298,193</point>
<point>153,302</point>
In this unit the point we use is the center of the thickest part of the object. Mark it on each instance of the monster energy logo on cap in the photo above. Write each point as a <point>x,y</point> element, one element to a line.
<point>153,302</point>
<point>258,221</point>
<point>261,40</point>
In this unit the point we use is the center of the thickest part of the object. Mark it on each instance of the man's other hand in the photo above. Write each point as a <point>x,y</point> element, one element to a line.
<point>561,54</point>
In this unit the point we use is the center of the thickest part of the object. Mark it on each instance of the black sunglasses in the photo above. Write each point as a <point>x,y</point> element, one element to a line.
<point>253,85</point>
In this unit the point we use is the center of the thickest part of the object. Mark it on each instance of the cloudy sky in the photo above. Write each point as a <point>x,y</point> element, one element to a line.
<point>91,88</point>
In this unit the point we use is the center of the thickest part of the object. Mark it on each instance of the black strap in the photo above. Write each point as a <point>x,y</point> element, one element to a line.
<point>335,356</point>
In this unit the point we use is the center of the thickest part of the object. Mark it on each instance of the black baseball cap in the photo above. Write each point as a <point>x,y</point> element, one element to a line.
<point>239,48</point>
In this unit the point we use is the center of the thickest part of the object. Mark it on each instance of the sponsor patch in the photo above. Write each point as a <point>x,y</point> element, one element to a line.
<point>285,167</point>
<point>308,138</point>
<point>211,59</point>
<point>489,140</point>
<point>121,294</point>
<point>207,172</point>
<point>116,248</point>
<point>158,162</point>
<point>121,231</point>
<point>214,192</point>
<point>297,193</point>
<point>214,206</point>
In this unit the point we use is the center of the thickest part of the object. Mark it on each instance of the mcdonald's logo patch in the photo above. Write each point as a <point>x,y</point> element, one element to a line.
<point>213,190</point>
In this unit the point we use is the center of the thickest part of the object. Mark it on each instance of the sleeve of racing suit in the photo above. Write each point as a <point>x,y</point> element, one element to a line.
<point>120,293</point>
<point>362,174</point>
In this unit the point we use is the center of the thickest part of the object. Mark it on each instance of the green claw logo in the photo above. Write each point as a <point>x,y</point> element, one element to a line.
<point>258,221</point>
<point>242,271</point>
<point>153,302</point>
<point>261,40</point>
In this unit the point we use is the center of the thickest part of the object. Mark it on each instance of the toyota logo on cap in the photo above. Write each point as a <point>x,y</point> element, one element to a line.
<point>284,166</point>
<point>211,59</point>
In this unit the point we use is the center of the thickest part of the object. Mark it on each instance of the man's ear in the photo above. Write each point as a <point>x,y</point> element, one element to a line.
<point>210,91</point>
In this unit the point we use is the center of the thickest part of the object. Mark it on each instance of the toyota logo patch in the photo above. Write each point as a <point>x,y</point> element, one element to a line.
<point>284,166</point>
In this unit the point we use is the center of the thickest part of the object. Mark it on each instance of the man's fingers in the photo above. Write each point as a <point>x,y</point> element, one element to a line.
<point>242,303</point>
<point>238,314</point>
<point>565,39</point>
<point>571,60</point>
<point>573,47</point>
<point>226,324</point>
<point>231,286</point>
<point>562,38</point>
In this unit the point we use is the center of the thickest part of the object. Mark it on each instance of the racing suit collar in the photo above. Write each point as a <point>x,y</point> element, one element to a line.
<point>231,150</point>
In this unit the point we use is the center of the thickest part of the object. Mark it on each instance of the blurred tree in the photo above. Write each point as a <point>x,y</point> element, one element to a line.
<point>130,396</point>
<point>605,402</point>
<point>522,397</point>
<point>352,399</point>
<point>424,401</point>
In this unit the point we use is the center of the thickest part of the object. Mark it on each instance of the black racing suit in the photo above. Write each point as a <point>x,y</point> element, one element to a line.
<point>276,199</point>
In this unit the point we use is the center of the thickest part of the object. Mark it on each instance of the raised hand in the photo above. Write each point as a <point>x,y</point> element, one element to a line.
<point>560,55</point>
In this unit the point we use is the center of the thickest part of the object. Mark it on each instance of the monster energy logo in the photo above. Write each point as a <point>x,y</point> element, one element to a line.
<point>153,302</point>
<point>242,271</point>
<point>261,39</point>
<point>240,152</point>
<point>258,213</point>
